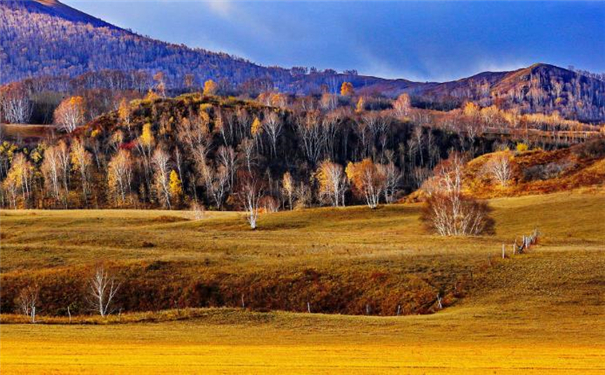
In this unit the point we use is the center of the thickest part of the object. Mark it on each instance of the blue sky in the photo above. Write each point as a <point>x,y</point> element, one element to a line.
<point>418,40</point>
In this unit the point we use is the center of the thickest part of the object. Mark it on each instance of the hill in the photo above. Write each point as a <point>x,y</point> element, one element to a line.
<point>48,38</point>
<point>518,173</point>
<point>539,171</point>
<point>540,88</point>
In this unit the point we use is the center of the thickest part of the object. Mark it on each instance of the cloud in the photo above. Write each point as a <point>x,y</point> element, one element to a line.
<point>222,8</point>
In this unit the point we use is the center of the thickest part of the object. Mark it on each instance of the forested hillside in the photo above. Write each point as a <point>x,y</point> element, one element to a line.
<point>67,50</point>
<point>540,88</point>
<point>51,39</point>
<point>206,150</point>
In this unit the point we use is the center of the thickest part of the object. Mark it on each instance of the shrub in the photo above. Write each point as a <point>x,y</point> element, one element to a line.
<point>592,149</point>
<point>457,215</point>
<point>522,147</point>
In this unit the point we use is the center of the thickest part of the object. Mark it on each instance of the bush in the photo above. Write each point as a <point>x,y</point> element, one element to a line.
<point>522,147</point>
<point>592,149</point>
<point>457,215</point>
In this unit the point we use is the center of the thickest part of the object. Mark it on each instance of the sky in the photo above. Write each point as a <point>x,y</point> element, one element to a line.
<point>417,40</point>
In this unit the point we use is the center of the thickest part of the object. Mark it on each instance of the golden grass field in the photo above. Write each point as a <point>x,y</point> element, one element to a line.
<point>539,313</point>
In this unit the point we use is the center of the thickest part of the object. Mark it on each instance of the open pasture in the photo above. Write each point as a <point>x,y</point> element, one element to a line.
<point>539,313</point>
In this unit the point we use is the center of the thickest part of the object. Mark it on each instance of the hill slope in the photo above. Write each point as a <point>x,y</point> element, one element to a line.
<point>48,38</point>
<point>533,172</point>
<point>540,88</point>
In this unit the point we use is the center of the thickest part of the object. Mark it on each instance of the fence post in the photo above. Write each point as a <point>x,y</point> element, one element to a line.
<point>308,307</point>
<point>503,251</point>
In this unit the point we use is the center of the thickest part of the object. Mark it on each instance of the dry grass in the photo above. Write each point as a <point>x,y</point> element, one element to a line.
<point>541,313</point>
<point>26,131</point>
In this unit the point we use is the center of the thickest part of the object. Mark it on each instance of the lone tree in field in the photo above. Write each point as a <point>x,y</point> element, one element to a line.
<point>28,300</point>
<point>448,210</point>
<point>103,288</point>
<point>70,113</point>
<point>499,167</point>
<point>251,191</point>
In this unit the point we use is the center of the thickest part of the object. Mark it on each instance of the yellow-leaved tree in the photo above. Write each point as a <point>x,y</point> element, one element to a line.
<point>288,187</point>
<point>361,104</point>
<point>210,87</point>
<point>124,112</point>
<point>257,128</point>
<point>346,89</point>
<point>81,161</point>
<point>145,144</point>
<point>332,183</point>
<point>368,180</point>
<point>70,113</point>
<point>176,186</point>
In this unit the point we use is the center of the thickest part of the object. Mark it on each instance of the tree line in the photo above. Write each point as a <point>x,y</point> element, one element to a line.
<point>274,152</point>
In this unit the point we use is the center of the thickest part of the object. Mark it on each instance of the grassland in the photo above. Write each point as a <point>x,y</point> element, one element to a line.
<point>539,313</point>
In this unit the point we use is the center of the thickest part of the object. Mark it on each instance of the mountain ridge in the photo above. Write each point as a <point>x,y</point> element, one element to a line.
<point>49,38</point>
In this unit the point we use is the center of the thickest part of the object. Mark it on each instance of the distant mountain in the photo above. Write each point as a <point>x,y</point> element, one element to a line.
<point>540,88</point>
<point>48,38</point>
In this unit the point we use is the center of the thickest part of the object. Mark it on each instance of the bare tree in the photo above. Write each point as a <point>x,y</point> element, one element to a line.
<point>81,160</point>
<point>217,184</point>
<point>251,191</point>
<point>52,172</point>
<point>310,133</point>
<point>448,210</point>
<point>332,182</point>
<point>227,158</point>
<point>499,167</point>
<point>246,148</point>
<point>103,288</point>
<point>273,126</point>
<point>119,174</point>
<point>303,195</point>
<point>28,300</point>
<point>160,161</point>
<point>62,152</point>
<point>70,113</point>
<point>392,178</point>
<point>15,105</point>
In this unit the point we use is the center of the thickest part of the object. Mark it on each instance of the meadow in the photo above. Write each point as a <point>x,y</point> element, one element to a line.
<point>537,313</point>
